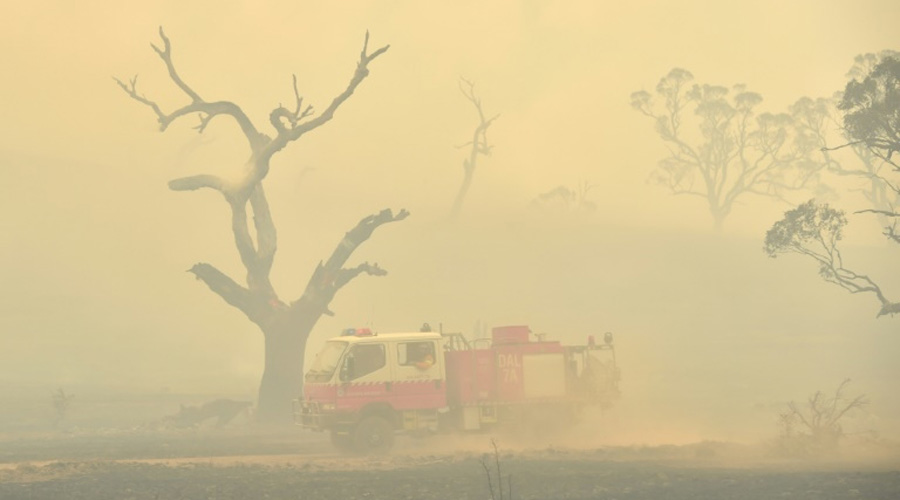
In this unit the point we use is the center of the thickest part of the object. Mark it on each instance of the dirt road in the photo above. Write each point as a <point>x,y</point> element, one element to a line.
<point>259,465</point>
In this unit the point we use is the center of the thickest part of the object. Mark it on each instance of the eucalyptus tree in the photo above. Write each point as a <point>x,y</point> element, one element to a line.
<point>721,148</point>
<point>870,124</point>
<point>815,230</point>
<point>871,106</point>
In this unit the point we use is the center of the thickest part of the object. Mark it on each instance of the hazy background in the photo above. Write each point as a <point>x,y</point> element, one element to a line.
<point>713,336</point>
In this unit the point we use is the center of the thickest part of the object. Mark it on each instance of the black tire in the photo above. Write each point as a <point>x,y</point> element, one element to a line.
<point>373,435</point>
<point>343,442</point>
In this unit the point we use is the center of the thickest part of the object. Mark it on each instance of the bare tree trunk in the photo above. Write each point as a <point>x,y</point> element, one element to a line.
<point>287,327</point>
<point>718,222</point>
<point>282,380</point>
<point>468,170</point>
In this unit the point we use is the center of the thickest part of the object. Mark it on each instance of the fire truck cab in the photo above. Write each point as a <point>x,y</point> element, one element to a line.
<point>363,387</point>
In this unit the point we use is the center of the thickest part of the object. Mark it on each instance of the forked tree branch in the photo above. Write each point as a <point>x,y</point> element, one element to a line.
<point>258,299</point>
<point>287,135</point>
<point>262,147</point>
<point>207,110</point>
<point>294,116</point>
<point>331,276</point>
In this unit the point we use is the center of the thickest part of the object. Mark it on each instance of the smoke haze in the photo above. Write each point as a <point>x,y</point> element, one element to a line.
<point>713,336</point>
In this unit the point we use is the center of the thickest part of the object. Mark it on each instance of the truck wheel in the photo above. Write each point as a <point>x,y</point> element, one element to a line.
<point>373,435</point>
<point>343,442</point>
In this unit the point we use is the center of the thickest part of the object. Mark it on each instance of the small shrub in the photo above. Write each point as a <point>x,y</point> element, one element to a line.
<point>61,404</point>
<point>815,428</point>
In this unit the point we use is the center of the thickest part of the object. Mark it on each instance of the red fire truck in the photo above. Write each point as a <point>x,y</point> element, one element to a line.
<point>364,387</point>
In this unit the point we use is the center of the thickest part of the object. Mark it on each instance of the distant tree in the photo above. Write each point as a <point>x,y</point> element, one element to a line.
<point>566,199</point>
<point>721,148</point>
<point>478,146</point>
<point>285,325</point>
<point>814,230</point>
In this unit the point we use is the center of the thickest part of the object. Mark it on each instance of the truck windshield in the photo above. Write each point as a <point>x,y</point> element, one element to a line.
<point>326,362</point>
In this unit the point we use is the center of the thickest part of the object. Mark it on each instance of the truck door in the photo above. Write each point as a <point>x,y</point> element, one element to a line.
<point>365,376</point>
<point>419,376</point>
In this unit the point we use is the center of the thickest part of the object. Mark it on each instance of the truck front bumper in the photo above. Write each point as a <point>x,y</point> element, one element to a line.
<point>311,415</point>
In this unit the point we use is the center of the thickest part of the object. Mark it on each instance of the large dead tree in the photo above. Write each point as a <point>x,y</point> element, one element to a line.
<point>285,325</point>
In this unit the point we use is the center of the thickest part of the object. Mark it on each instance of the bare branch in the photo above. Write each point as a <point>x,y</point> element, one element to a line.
<point>842,146</point>
<point>225,287</point>
<point>344,276</point>
<point>166,55</point>
<point>195,182</point>
<point>293,117</point>
<point>207,110</point>
<point>886,213</point>
<point>330,276</point>
<point>131,90</point>
<point>286,135</point>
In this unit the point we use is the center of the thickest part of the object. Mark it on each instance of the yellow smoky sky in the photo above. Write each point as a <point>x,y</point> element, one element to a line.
<point>93,246</point>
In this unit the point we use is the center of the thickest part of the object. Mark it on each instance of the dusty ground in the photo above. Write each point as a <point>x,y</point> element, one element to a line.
<point>246,463</point>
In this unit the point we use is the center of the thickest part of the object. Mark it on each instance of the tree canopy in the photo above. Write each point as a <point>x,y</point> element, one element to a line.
<point>872,108</point>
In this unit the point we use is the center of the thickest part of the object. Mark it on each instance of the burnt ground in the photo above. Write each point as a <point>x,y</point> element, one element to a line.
<point>247,463</point>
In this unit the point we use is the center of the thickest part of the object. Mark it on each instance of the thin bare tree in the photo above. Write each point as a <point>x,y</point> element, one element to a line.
<point>477,146</point>
<point>285,325</point>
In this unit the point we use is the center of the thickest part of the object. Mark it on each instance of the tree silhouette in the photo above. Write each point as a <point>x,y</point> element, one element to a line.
<point>286,326</point>
<point>721,148</point>
<point>871,105</point>
<point>814,230</point>
<point>478,146</point>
